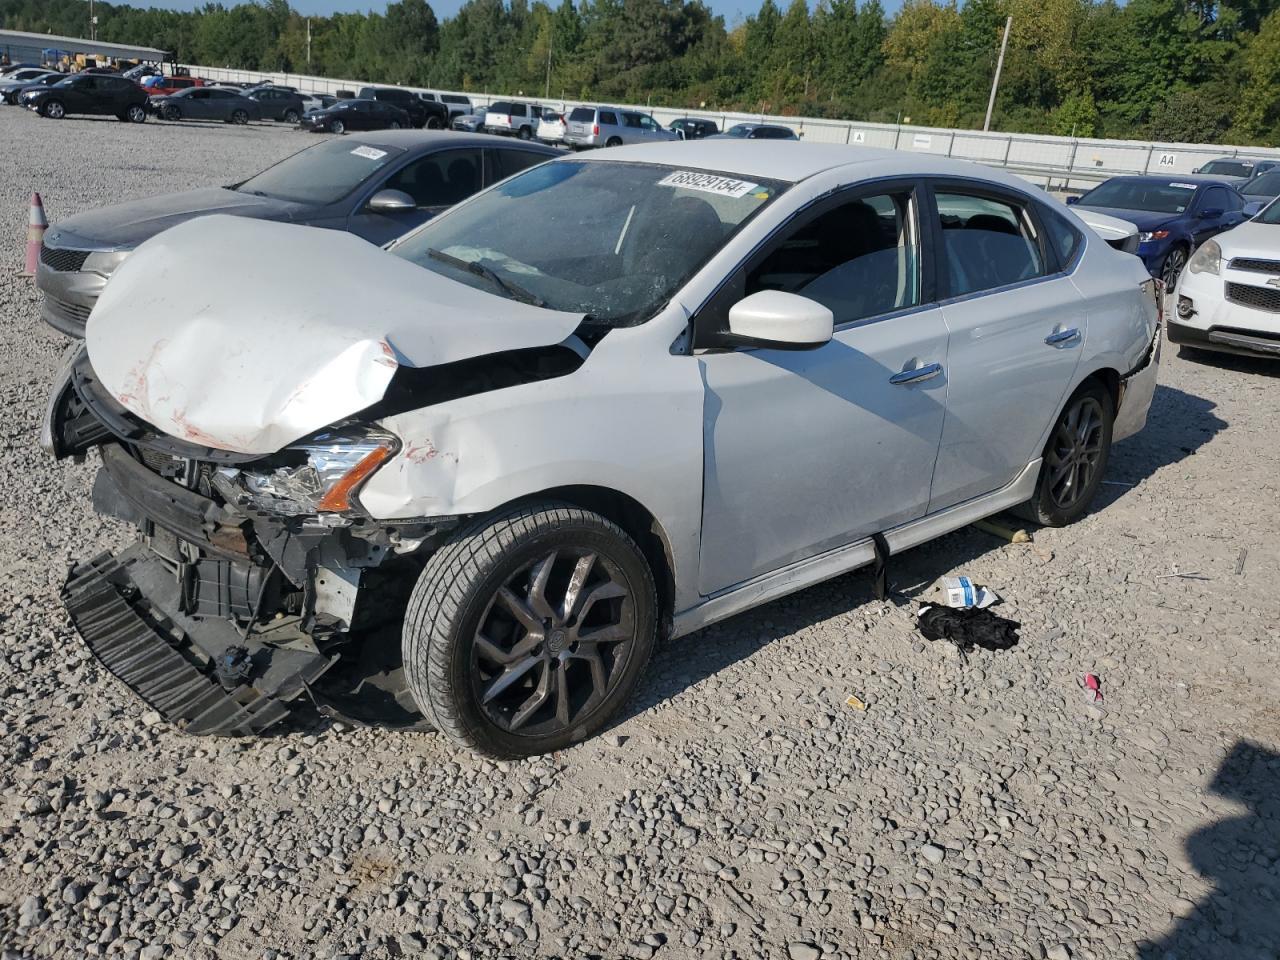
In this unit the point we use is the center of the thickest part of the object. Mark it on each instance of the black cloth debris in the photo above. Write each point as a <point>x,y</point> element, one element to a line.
<point>969,627</point>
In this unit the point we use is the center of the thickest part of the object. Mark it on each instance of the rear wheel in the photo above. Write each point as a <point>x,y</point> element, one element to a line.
<point>239,117</point>
<point>525,133</point>
<point>394,125</point>
<point>136,113</point>
<point>53,109</point>
<point>1074,458</point>
<point>613,142</point>
<point>433,123</point>
<point>529,629</point>
<point>291,116</point>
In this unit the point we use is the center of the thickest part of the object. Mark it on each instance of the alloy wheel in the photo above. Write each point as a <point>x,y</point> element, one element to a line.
<point>1173,264</point>
<point>553,643</point>
<point>1075,452</point>
<point>240,117</point>
<point>337,126</point>
<point>54,110</point>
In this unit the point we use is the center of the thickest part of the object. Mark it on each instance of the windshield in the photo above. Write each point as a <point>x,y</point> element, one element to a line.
<point>610,240</point>
<point>1228,168</point>
<point>1270,214</point>
<point>321,174</point>
<point>1264,185</point>
<point>1150,195</point>
<point>741,130</point>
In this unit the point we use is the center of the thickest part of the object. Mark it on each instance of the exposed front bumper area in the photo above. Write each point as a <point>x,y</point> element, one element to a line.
<point>201,675</point>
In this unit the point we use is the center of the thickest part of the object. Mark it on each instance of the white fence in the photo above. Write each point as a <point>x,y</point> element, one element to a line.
<point>1061,162</point>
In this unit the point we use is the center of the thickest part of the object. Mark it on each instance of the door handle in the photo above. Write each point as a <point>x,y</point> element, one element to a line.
<point>917,375</point>
<point>1060,338</point>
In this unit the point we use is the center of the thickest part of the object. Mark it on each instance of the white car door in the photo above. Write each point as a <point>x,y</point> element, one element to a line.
<point>808,450</point>
<point>1017,326</point>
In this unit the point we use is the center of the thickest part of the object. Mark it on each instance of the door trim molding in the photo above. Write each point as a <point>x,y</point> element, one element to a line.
<point>824,566</point>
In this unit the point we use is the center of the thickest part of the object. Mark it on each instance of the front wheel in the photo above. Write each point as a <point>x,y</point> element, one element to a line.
<point>1074,459</point>
<point>239,117</point>
<point>1172,268</point>
<point>394,125</point>
<point>529,629</point>
<point>337,126</point>
<point>172,113</point>
<point>53,109</point>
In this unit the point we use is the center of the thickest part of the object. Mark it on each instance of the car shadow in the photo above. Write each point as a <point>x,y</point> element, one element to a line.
<point>1239,919</point>
<point>1178,425</point>
<point>1259,366</point>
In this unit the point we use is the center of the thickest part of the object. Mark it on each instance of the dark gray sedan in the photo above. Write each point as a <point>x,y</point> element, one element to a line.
<point>375,185</point>
<point>206,103</point>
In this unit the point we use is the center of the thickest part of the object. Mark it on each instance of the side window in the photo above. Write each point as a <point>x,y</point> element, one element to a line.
<point>631,120</point>
<point>608,118</point>
<point>1234,200</point>
<point>509,162</point>
<point>1215,198</point>
<point>1064,238</point>
<point>440,179</point>
<point>986,243</point>
<point>518,110</point>
<point>860,259</point>
<point>649,123</point>
<point>199,94</point>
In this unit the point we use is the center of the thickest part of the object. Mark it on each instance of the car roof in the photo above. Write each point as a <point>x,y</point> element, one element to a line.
<point>1199,179</point>
<point>430,139</point>
<point>795,160</point>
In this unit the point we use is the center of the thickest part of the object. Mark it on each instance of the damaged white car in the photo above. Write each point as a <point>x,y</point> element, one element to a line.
<point>469,481</point>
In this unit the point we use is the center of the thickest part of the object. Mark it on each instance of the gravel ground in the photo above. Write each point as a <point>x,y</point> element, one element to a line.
<point>973,809</point>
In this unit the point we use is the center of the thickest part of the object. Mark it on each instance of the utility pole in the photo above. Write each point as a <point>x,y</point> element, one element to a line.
<point>93,23</point>
<point>995,81</point>
<point>551,37</point>
<point>308,44</point>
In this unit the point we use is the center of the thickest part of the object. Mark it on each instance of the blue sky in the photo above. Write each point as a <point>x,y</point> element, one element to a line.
<point>731,10</point>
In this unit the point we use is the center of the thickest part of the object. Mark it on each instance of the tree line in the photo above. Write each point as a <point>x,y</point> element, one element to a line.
<point>1181,70</point>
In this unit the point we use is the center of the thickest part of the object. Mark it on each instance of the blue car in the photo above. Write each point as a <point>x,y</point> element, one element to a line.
<point>1174,215</point>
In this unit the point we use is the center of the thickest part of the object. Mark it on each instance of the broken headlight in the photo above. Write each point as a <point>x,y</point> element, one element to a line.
<point>322,476</point>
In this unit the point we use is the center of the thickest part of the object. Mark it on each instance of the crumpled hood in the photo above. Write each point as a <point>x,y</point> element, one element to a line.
<point>125,225</point>
<point>1144,220</point>
<point>247,336</point>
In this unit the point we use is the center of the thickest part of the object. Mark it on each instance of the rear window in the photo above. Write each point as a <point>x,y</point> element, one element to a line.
<point>519,110</point>
<point>582,115</point>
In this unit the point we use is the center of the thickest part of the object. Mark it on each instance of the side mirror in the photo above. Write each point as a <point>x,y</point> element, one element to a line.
<point>1211,214</point>
<point>783,321</point>
<point>1072,201</point>
<point>1195,169</point>
<point>387,201</point>
<point>1254,207</point>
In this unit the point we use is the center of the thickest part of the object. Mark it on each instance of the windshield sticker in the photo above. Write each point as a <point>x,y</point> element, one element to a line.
<point>369,153</point>
<point>1183,186</point>
<point>708,183</point>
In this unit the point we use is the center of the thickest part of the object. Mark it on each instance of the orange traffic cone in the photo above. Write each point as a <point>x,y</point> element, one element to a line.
<point>36,225</point>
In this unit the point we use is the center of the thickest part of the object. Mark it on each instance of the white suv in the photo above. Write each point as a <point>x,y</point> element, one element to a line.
<point>512,118</point>
<point>607,401</point>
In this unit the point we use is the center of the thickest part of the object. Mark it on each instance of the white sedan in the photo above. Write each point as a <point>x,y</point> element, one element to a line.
<point>608,401</point>
<point>1228,297</point>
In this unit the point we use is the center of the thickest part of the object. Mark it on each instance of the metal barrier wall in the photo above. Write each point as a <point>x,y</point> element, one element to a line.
<point>1057,162</point>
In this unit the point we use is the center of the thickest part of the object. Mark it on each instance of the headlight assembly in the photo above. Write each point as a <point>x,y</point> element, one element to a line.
<point>1148,236</point>
<point>326,471</point>
<point>104,262</point>
<point>1206,259</point>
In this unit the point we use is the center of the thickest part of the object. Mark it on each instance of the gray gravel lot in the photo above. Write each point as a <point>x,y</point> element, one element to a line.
<point>742,809</point>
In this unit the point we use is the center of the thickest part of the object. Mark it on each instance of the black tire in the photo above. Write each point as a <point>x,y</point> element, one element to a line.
<point>53,109</point>
<point>613,142</point>
<point>337,126</point>
<point>239,117</point>
<point>172,113</point>
<point>291,116</point>
<point>524,133</point>
<point>394,125</point>
<point>433,123</point>
<point>1174,262</point>
<point>136,113</point>
<point>1074,459</point>
<point>457,677</point>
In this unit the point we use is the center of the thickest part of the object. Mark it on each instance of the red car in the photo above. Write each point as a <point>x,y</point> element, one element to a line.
<point>168,85</point>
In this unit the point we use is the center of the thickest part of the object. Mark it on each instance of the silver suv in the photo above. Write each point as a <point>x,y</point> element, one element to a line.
<point>613,127</point>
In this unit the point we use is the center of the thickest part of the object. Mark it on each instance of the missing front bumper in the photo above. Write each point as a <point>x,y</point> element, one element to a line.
<point>125,608</point>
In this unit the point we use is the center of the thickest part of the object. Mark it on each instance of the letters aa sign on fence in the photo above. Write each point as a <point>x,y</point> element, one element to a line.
<point>1167,160</point>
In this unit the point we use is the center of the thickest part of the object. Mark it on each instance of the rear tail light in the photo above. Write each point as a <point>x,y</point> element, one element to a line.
<point>595,130</point>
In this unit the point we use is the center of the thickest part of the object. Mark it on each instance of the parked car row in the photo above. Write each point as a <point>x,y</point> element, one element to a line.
<point>409,460</point>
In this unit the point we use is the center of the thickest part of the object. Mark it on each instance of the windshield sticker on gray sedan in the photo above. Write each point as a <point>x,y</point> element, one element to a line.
<point>707,183</point>
<point>369,153</point>
<point>1183,186</point>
